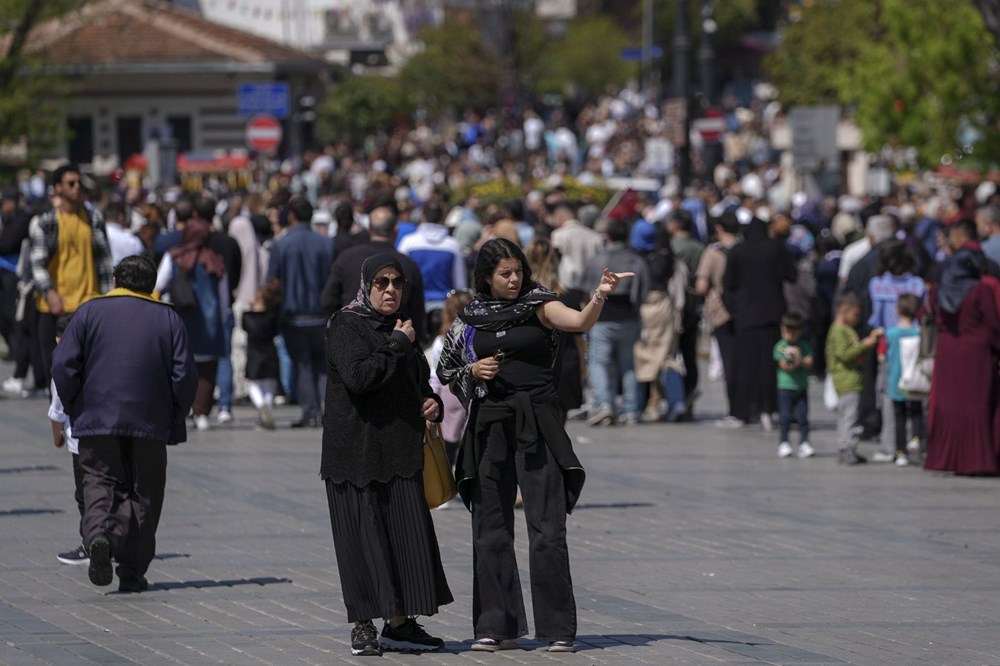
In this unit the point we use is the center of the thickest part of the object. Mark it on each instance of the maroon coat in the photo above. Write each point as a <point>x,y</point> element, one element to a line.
<point>963,433</point>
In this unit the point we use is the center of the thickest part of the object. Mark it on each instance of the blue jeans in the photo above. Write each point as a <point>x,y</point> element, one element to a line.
<point>793,403</point>
<point>286,369</point>
<point>611,343</point>
<point>224,375</point>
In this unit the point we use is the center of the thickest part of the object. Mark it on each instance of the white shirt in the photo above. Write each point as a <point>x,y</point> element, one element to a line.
<point>123,243</point>
<point>853,253</point>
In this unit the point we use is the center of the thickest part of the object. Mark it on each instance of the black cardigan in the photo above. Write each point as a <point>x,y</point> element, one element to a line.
<point>376,386</point>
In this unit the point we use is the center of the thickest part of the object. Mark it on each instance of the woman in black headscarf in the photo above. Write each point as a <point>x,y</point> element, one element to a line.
<point>963,424</point>
<point>377,401</point>
<point>498,358</point>
<point>753,291</point>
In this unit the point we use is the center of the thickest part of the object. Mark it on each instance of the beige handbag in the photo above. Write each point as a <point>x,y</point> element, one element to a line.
<point>439,482</point>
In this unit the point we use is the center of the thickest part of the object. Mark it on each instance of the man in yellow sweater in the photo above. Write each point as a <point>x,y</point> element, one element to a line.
<point>70,256</point>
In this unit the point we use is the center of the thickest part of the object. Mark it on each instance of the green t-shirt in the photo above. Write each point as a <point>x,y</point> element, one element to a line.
<point>797,379</point>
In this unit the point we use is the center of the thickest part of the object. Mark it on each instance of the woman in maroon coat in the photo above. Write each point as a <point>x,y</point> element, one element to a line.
<point>963,434</point>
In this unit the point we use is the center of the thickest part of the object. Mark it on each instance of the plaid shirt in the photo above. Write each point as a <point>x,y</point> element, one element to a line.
<point>44,236</point>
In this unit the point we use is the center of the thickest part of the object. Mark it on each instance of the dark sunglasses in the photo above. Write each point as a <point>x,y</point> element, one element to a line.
<point>382,283</point>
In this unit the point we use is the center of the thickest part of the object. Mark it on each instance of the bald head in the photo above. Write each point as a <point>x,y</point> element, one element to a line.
<point>382,223</point>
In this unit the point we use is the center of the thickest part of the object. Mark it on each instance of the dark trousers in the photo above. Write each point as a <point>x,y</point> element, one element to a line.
<point>869,411</point>
<point>688,345</point>
<point>78,489</point>
<point>8,306</point>
<point>497,604</point>
<point>27,347</point>
<point>46,345</point>
<point>725,335</point>
<point>204,395</point>
<point>123,483</point>
<point>793,404</point>
<point>912,409</point>
<point>307,347</point>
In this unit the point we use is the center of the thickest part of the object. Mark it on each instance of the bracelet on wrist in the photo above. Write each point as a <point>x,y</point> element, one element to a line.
<point>598,297</point>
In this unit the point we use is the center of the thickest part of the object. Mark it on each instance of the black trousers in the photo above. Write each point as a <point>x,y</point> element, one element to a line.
<point>27,347</point>
<point>8,306</point>
<point>307,347</point>
<point>46,345</point>
<point>78,489</point>
<point>497,604</point>
<point>123,484</point>
<point>688,345</point>
<point>914,410</point>
<point>725,335</point>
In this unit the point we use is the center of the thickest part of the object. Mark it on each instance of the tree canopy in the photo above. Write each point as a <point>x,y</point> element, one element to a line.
<point>921,73</point>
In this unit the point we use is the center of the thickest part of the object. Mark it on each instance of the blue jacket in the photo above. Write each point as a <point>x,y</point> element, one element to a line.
<point>301,261</point>
<point>124,368</point>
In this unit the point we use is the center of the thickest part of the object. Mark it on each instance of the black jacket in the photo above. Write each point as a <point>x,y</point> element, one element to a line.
<point>377,382</point>
<point>262,357</point>
<point>345,278</point>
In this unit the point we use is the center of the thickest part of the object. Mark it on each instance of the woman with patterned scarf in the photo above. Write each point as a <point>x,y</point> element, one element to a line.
<point>499,360</point>
<point>377,400</point>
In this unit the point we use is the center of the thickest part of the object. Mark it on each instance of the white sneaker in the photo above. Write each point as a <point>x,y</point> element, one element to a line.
<point>730,423</point>
<point>883,457</point>
<point>806,451</point>
<point>766,422</point>
<point>602,417</point>
<point>224,416</point>
<point>902,460</point>
<point>913,445</point>
<point>13,385</point>
<point>784,450</point>
<point>201,422</point>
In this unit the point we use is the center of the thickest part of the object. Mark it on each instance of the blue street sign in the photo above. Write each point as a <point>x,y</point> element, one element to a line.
<point>270,97</point>
<point>635,53</point>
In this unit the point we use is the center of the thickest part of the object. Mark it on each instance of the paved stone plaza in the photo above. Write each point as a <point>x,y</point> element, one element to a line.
<point>691,545</point>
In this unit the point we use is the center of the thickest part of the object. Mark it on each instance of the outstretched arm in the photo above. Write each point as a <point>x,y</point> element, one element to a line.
<point>556,315</point>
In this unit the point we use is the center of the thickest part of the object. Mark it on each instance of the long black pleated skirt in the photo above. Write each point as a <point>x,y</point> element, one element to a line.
<point>387,552</point>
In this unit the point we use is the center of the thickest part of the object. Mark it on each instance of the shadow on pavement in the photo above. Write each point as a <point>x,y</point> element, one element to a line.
<point>28,512</point>
<point>201,584</point>
<point>29,468</point>
<point>613,505</point>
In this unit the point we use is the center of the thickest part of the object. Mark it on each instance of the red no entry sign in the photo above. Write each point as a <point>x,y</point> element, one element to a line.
<point>263,133</point>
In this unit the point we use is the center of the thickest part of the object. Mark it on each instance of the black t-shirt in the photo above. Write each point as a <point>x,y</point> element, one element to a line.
<point>527,362</point>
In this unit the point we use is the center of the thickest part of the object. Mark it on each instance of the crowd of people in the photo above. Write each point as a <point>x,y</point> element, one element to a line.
<point>358,288</point>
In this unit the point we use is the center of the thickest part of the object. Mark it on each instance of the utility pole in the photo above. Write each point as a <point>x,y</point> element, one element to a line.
<point>682,88</point>
<point>647,46</point>
<point>706,51</point>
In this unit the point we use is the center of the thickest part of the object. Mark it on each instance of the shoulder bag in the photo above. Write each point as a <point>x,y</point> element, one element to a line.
<point>439,482</point>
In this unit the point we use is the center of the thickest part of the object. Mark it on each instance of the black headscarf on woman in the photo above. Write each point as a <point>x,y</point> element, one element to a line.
<point>961,273</point>
<point>362,304</point>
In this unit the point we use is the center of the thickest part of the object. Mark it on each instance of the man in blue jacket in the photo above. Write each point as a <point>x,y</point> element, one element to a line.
<point>127,379</point>
<point>301,261</point>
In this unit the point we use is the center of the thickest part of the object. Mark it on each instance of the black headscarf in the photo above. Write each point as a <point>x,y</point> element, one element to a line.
<point>961,273</point>
<point>362,304</point>
<point>496,314</point>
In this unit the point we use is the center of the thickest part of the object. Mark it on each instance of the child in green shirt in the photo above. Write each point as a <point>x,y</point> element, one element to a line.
<point>795,358</point>
<point>844,350</point>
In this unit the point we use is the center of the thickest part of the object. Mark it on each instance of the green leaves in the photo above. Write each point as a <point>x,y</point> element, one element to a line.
<point>919,73</point>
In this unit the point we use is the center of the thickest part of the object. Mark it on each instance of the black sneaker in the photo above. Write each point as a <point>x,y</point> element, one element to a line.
<point>364,640</point>
<point>409,636</point>
<point>132,584</point>
<point>78,555</point>
<point>100,571</point>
